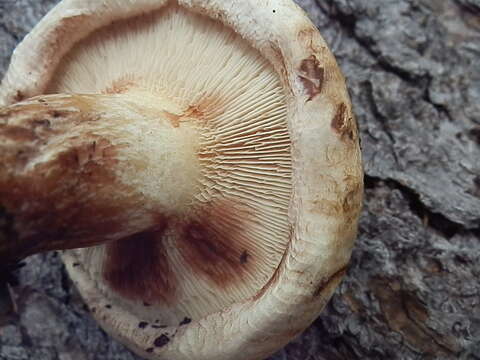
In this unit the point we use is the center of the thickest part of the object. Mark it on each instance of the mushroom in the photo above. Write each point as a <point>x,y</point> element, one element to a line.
<point>199,157</point>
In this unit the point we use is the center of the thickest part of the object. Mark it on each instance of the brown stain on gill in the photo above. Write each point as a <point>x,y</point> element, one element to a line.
<point>137,268</point>
<point>120,86</point>
<point>173,118</point>
<point>211,243</point>
<point>312,76</point>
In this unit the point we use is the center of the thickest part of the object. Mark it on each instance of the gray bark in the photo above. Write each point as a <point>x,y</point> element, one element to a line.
<point>412,290</point>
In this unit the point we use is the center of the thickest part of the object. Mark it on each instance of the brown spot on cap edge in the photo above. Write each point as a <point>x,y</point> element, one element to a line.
<point>342,124</point>
<point>312,76</point>
<point>161,341</point>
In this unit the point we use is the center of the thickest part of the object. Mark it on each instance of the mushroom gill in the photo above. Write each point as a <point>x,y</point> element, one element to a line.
<point>220,232</point>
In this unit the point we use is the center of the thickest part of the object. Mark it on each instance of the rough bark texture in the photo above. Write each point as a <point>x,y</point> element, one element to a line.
<point>412,291</point>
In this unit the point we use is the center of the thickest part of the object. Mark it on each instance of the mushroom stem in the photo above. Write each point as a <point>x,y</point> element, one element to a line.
<point>82,170</point>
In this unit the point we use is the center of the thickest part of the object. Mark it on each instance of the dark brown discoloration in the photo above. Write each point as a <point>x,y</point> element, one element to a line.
<point>137,267</point>
<point>18,96</point>
<point>475,134</point>
<point>149,350</point>
<point>326,282</point>
<point>142,324</point>
<point>342,124</point>
<point>244,257</point>
<point>159,326</point>
<point>53,211</point>
<point>185,321</point>
<point>210,241</point>
<point>17,133</point>
<point>338,121</point>
<point>312,76</point>
<point>161,341</point>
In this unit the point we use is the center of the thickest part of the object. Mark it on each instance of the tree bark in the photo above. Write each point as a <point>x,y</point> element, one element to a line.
<point>412,290</point>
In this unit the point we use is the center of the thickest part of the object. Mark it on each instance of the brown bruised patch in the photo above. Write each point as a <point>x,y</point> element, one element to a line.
<point>19,96</point>
<point>195,111</point>
<point>351,202</point>
<point>17,133</point>
<point>64,201</point>
<point>312,76</point>
<point>185,321</point>
<point>120,86</point>
<point>198,112</point>
<point>210,241</point>
<point>244,257</point>
<point>161,341</point>
<point>213,241</point>
<point>342,124</point>
<point>54,214</point>
<point>326,282</point>
<point>137,267</point>
<point>173,118</point>
<point>201,110</point>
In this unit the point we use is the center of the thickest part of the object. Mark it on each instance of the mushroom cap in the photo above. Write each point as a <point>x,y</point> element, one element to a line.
<point>325,184</point>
